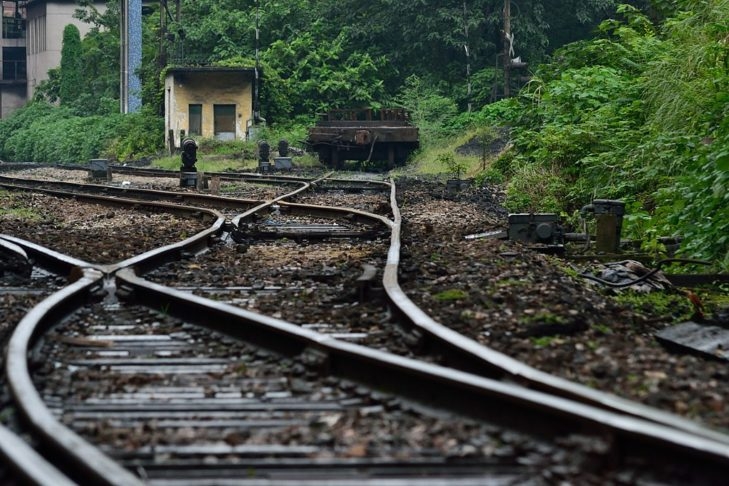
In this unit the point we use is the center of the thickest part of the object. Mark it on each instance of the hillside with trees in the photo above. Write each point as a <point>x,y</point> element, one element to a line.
<point>621,101</point>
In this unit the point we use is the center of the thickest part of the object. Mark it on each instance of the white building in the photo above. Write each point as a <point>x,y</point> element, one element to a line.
<point>32,38</point>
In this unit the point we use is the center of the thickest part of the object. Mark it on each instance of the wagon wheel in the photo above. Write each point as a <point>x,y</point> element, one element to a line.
<point>335,162</point>
<point>401,155</point>
<point>324,155</point>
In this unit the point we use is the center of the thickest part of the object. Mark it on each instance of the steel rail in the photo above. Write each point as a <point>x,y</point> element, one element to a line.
<point>459,351</point>
<point>7,246</point>
<point>88,280</point>
<point>73,189</point>
<point>63,264</point>
<point>27,463</point>
<point>249,213</point>
<point>230,176</point>
<point>15,258</point>
<point>466,354</point>
<point>51,260</point>
<point>667,421</point>
<point>77,453</point>
<point>349,214</point>
<point>156,172</point>
<point>482,398</point>
<point>351,184</point>
<point>253,177</point>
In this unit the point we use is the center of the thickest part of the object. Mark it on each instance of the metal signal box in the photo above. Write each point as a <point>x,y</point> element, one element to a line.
<point>536,228</point>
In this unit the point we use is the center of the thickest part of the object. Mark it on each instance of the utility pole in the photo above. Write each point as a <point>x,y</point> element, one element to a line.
<point>256,81</point>
<point>165,17</point>
<point>131,56</point>
<point>508,47</point>
<point>468,56</point>
<point>256,120</point>
<point>163,14</point>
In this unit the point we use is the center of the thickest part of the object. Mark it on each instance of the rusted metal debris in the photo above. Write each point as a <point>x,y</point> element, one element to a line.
<point>629,273</point>
<point>386,134</point>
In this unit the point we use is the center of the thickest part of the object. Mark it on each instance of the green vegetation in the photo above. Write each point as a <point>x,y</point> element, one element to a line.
<point>71,66</point>
<point>43,132</point>
<point>208,163</point>
<point>442,158</point>
<point>602,329</point>
<point>544,341</point>
<point>20,213</point>
<point>450,295</point>
<point>638,113</point>
<point>625,101</point>
<point>10,209</point>
<point>676,306</point>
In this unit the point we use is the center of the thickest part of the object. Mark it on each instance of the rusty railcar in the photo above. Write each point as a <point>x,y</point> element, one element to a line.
<point>364,135</point>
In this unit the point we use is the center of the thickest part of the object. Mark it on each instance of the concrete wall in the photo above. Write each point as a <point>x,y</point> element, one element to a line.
<point>207,87</point>
<point>46,21</point>
<point>12,98</point>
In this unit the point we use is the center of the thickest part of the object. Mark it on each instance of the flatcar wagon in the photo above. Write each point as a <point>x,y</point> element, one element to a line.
<point>364,135</point>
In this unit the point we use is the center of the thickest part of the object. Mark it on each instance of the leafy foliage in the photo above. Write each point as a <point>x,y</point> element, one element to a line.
<point>42,132</point>
<point>317,74</point>
<point>432,112</point>
<point>638,113</point>
<point>71,65</point>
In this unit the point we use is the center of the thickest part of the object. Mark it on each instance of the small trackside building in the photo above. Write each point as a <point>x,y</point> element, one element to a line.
<point>208,102</point>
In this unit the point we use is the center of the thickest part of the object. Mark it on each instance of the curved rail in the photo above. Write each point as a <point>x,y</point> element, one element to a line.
<point>82,455</point>
<point>28,464</point>
<point>88,279</point>
<point>466,354</point>
<point>189,198</point>
<point>534,410</point>
<point>479,397</point>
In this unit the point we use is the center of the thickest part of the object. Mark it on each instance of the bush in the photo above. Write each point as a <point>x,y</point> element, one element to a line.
<point>45,133</point>
<point>535,188</point>
<point>133,136</point>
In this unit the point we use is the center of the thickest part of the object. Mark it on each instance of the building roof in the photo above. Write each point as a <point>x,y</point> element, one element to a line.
<point>210,69</point>
<point>34,2</point>
<point>31,2</point>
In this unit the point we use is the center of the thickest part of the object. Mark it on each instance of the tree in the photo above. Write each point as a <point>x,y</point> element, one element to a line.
<point>101,63</point>
<point>71,79</point>
<point>319,74</point>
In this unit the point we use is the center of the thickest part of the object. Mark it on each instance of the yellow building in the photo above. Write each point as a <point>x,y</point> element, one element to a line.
<point>208,102</point>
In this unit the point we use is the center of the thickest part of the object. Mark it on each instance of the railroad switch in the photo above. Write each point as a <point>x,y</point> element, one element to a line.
<point>546,228</point>
<point>536,228</point>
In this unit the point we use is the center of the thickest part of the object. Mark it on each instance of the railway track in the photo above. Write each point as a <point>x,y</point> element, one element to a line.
<point>122,343</point>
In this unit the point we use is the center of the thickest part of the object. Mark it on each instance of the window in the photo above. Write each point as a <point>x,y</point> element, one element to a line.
<point>14,63</point>
<point>13,20</point>
<point>224,122</point>
<point>195,114</point>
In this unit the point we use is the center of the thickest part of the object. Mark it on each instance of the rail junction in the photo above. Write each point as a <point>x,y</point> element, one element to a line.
<point>262,336</point>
